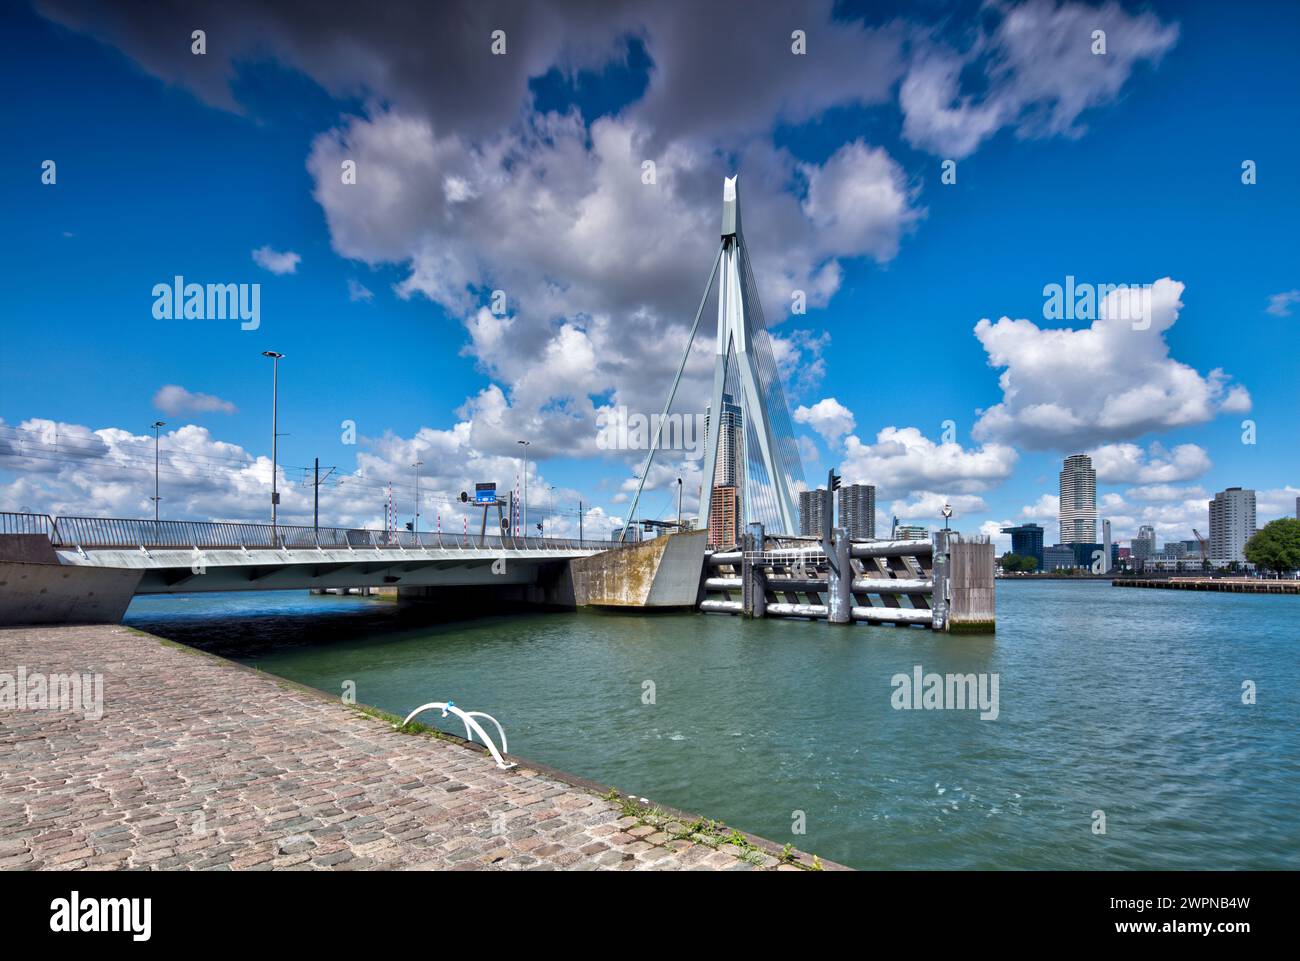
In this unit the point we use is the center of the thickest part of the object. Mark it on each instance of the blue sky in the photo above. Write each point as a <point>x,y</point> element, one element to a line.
<point>1122,172</point>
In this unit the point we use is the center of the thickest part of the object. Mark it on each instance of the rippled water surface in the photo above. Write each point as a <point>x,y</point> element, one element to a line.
<point>1127,702</point>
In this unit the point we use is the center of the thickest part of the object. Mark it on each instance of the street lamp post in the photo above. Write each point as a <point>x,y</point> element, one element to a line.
<point>157,425</point>
<point>417,465</point>
<point>525,445</point>
<point>275,437</point>
<point>679,503</point>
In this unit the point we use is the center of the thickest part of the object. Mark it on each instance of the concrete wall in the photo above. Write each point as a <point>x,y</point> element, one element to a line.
<point>973,604</point>
<point>59,594</point>
<point>663,572</point>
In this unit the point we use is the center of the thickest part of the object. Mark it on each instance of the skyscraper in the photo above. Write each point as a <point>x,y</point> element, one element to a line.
<point>812,511</point>
<point>858,511</point>
<point>1105,547</point>
<point>724,516</point>
<point>1078,510</point>
<point>1232,522</point>
<point>730,468</point>
<point>725,506</point>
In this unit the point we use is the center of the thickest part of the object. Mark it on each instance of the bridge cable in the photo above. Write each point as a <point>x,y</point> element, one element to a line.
<point>645,470</point>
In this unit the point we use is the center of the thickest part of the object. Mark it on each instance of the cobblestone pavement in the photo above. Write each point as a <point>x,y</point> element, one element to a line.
<point>199,763</point>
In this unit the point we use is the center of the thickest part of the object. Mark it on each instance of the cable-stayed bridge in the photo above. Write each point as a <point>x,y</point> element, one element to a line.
<point>751,457</point>
<point>87,569</point>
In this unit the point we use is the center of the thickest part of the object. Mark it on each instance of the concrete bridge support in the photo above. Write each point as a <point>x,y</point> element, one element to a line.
<point>36,589</point>
<point>663,572</point>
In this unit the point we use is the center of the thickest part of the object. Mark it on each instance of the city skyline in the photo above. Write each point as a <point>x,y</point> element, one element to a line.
<point>385,315</point>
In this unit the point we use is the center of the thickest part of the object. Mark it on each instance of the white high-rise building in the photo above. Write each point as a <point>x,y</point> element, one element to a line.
<point>727,503</point>
<point>1232,522</point>
<point>730,468</point>
<point>1078,510</point>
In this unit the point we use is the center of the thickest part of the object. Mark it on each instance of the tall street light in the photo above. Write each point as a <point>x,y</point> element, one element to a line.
<point>157,425</point>
<point>275,437</point>
<point>417,465</point>
<point>525,446</point>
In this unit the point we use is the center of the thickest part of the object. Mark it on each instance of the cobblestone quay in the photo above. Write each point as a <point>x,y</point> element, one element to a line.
<point>199,763</point>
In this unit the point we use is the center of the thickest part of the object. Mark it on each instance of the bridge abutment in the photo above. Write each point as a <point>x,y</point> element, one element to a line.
<point>36,589</point>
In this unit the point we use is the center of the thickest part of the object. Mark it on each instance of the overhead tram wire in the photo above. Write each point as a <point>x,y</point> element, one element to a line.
<point>365,486</point>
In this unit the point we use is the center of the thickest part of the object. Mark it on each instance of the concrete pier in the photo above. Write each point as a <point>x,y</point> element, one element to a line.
<point>945,584</point>
<point>199,763</point>
<point>663,572</point>
<point>1227,585</point>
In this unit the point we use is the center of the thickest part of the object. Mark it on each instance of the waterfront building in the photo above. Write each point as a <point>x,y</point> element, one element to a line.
<point>1232,522</point>
<point>727,501</point>
<point>911,532</point>
<point>1058,556</point>
<point>729,470</point>
<point>857,511</point>
<point>812,511</point>
<point>633,533</point>
<point>1144,544</point>
<point>1107,548</point>
<point>1084,554</point>
<point>724,516</point>
<point>1078,500</point>
<point>1027,541</point>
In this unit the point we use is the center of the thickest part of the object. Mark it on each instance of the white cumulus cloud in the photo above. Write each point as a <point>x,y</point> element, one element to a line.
<point>827,417</point>
<point>1130,464</point>
<point>175,400</point>
<point>276,261</point>
<point>902,459</point>
<point>1110,381</point>
<point>1038,69</point>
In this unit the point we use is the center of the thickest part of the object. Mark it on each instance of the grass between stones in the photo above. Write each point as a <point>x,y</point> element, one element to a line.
<point>705,831</point>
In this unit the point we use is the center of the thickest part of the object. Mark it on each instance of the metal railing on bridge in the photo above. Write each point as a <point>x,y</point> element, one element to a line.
<point>114,532</point>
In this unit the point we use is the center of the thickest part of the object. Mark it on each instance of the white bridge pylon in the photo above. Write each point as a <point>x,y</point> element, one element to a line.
<point>742,339</point>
